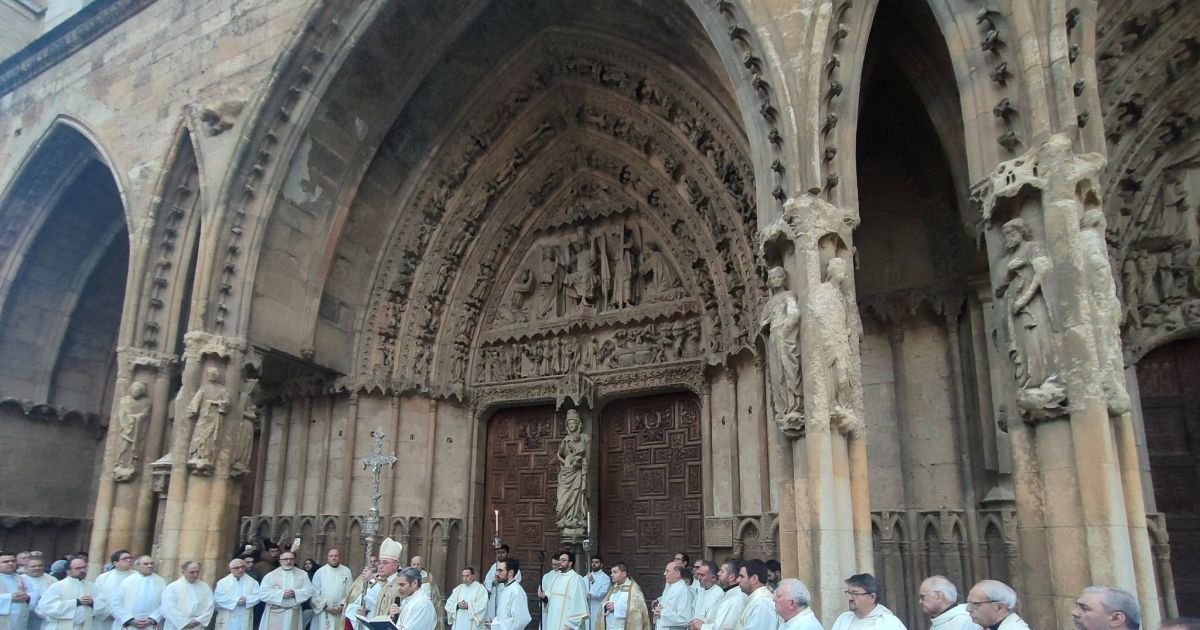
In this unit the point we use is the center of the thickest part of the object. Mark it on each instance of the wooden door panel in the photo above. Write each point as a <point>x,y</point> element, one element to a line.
<point>651,494</point>
<point>521,481</point>
<point>1167,379</point>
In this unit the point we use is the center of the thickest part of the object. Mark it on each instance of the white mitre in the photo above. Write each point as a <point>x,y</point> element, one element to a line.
<point>390,549</point>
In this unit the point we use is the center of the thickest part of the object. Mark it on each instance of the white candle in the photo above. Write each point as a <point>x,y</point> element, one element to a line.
<point>497,514</point>
<point>589,531</point>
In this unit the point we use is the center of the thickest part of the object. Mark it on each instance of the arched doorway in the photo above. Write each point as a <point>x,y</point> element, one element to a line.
<point>1167,379</point>
<point>64,261</point>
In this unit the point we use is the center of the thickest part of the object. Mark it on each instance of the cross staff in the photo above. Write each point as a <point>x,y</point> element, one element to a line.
<point>375,462</point>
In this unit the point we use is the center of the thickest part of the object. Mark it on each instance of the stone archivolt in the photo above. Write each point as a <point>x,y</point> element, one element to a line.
<point>595,217</point>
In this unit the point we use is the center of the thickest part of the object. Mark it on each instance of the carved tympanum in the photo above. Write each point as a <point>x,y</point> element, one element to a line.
<point>131,417</point>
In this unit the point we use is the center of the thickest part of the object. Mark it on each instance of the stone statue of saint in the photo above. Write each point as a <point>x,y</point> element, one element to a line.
<point>131,415</point>
<point>1106,310</point>
<point>209,406</point>
<point>837,339</point>
<point>243,439</point>
<point>547,283</point>
<point>661,283</point>
<point>582,281</point>
<point>572,477</point>
<point>1029,323</point>
<point>1028,313</point>
<point>781,317</point>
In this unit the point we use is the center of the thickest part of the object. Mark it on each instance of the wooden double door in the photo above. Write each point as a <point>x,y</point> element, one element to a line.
<point>1168,379</point>
<point>645,481</point>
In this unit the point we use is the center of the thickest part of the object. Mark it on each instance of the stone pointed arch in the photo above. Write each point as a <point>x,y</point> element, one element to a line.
<point>165,272</point>
<point>309,77</point>
<point>655,146</point>
<point>64,264</point>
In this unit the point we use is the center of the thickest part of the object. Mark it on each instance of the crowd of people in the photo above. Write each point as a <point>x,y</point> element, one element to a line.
<point>268,591</point>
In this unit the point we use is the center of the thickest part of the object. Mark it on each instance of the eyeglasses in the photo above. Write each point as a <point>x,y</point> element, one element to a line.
<point>971,604</point>
<point>855,593</point>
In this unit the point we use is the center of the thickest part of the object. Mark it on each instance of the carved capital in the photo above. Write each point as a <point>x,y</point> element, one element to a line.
<point>805,220</point>
<point>1047,165</point>
<point>198,344</point>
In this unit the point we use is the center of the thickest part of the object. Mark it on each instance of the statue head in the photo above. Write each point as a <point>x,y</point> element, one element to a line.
<point>137,389</point>
<point>213,375</point>
<point>835,270</point>
<point>1015,231</point>
<point>573,421</point>
<point>777,278</point>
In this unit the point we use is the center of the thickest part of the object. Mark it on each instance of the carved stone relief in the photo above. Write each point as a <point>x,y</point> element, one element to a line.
<point>242,436</point>
<point>1160,273</point>
<point>831,309</point>
<point>781,317</point>
<point>1028,323</point>
<point>208,408</point>
<point>573,453</point>
<point>132,415</point>
<point>585,266</point>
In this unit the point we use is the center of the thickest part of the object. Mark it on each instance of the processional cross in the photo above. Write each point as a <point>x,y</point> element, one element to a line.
<point>375,462</point>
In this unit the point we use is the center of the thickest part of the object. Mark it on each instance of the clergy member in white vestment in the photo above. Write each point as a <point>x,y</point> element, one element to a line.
<point>865,612</point>
<point>283,590</point>
<point>512,604</point>
<point>467,605</point>
<point>564,595</point>
<point>674,609</point>
<point>235,597</point>
<point>939,599</point>
<point>108,583</point>
<point>429,587</point>
<point>759,613</point>
<point>493,583</point>
<point>728,609</point>
<point>598,584</point>
<point>67,604</point>
<point>793,605</point>
<point>415,611</point>
<point>187,603</point>
<point>35,569</point>
<point>705,576</point>
<point>330,585</point>
<point>18,594</point>
<point>137,601</point>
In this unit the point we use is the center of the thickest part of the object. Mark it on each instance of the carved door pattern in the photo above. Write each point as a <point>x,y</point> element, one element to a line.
<point>1167,379</point>
<point>651,489</point>
<point>522,482</point>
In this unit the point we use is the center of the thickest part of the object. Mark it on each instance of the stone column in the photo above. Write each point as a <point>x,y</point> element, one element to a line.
<point>1053,310</point>
<point>202,488</point>
<point>811,243</point>
<point>124,497</point>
